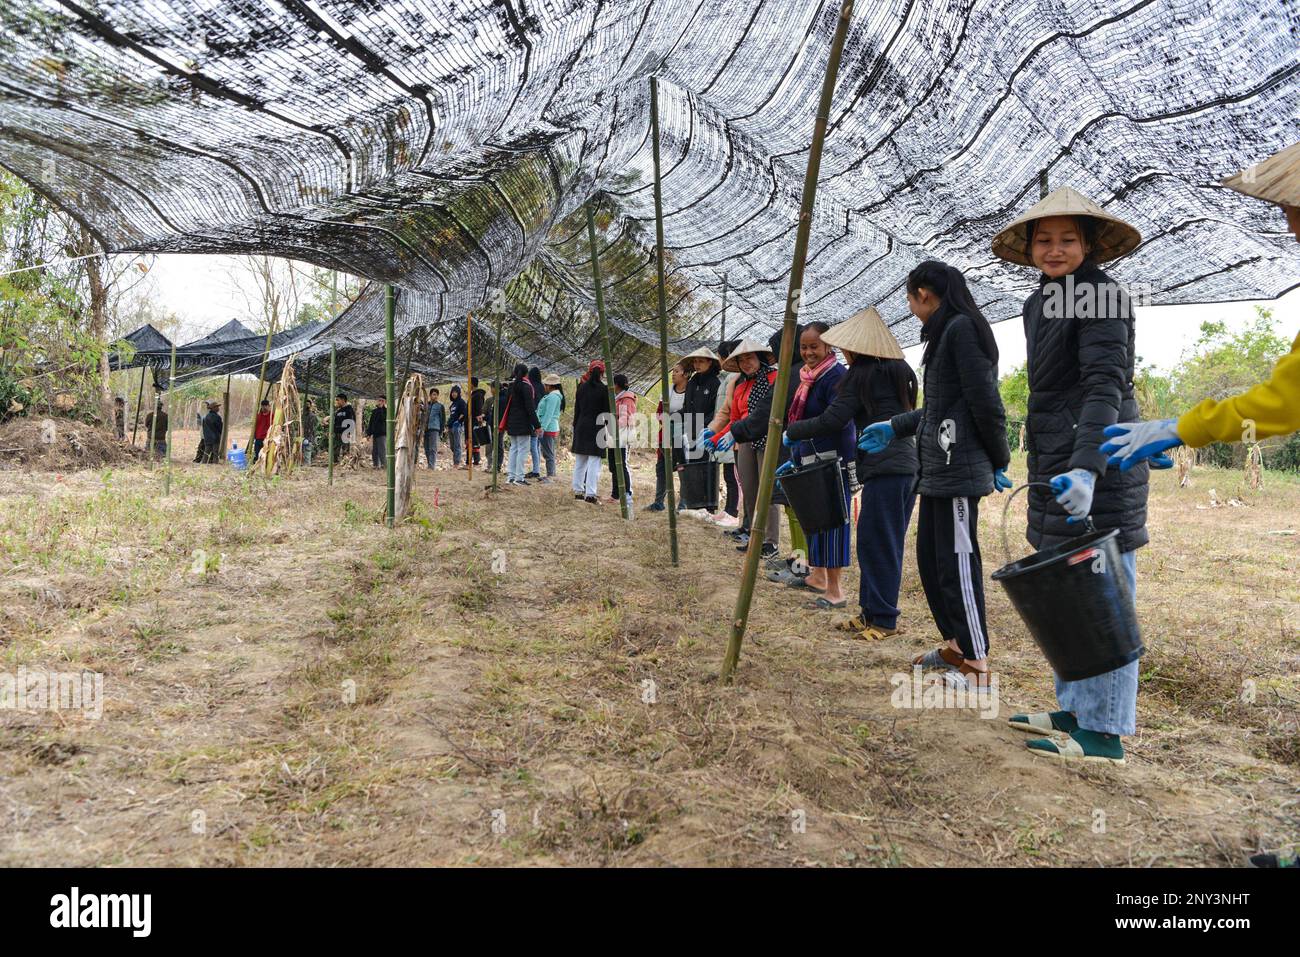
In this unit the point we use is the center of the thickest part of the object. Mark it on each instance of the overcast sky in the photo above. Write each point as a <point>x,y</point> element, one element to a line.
<point>199,290</point>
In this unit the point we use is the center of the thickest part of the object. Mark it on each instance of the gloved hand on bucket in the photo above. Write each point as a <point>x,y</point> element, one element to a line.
<point>706,439</point>
<point>1000,481</point>
<point>1074,492</point>
<point>785,468</point>
<point>875,438</point>
<point>788,442</point>
<point>724,443</point>
<point>1134,442</point>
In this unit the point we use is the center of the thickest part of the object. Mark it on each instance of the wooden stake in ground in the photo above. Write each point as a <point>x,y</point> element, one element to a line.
<point>408,442</point>
<point>496,413</point>
<point>329,405</point>
<point>171,414</point>
<point>139,399</point>
<point>225,419</point>
<point>390,449</point>
<point>609,364</point>
<point>781,389</point>
<point>665,421</point>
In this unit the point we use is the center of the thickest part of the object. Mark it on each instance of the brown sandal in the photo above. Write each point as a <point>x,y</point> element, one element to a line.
<point>944,658</point>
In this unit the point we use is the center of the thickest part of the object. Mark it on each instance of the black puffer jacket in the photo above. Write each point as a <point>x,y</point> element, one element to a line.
<point>698,408</point>
<point>590,402</point>
<point>519,414</point>
<point>1080,355</point>
<point>961,431</point>
<point>866,395</point>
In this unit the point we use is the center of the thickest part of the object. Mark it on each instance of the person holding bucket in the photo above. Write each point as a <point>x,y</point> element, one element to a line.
<point>704,400</point>
<point>746,429</point>
<point>961,438</point>
<point>819,383</point>
<point>1080,361</point>
<point>879,385</point>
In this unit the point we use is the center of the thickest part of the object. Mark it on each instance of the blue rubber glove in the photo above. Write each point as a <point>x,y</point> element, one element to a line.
<point>875,438</point>
<point>1000,481</point>
<point>788,442</point>
<point>724,443</point>
<point>706,439</point>
<point>1134,442</point>
<point>1074,492</point>
<point>785,468</point>
<point>1160,461</point>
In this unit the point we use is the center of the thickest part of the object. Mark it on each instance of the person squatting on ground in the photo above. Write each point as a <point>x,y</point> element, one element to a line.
<point>879,385</point>
<point>590,402</point>
<point>961,439</point>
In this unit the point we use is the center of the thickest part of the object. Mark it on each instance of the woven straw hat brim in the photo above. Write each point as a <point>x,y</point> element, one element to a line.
<point>732,363</point>
<point>703,352</point>
<point>864,334</point>
<point>1115,237</point>
<point>1276,180</point>
<point>551,380</point>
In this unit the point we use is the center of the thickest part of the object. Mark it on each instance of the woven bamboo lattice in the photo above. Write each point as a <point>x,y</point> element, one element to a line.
<point>445,145</point>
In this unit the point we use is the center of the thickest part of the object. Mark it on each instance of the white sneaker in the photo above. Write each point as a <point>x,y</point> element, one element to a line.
<point>723,520</point>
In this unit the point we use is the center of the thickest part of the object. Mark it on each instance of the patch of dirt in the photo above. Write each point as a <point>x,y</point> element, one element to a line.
<point>61,445</point>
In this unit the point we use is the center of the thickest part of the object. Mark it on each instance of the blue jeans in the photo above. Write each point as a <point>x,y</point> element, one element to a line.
<point>1106,702</point>
<point>535,450</point>
<point>516,465</point>
<point>457,443</point>
<point>431,447</point>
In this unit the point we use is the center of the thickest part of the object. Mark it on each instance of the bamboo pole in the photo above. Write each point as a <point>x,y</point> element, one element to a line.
<point>261,377</point>
<point>496,413</point>
<point>390,438</point>
<point>792,302</point>
<point>171,414</point>
<point>225,419</point>
<point>1042,184</point>
<point>330,406</point>
<point>469,394</point>
<point>722,337</point>
<point>306,399</point>
<point>609,362</point>
<point>665,387</point>
<point>135,429</point>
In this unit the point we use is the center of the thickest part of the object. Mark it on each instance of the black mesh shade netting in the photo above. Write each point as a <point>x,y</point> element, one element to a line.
<point>447,147</point>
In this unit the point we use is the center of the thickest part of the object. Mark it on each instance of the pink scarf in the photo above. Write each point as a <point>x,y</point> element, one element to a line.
<point>806,379</point>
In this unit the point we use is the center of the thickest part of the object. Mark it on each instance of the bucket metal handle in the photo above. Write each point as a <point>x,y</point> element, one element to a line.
<point>1088,525</point>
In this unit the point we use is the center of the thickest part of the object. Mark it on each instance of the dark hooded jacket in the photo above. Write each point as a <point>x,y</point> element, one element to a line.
<point>519,413</point>
<point>590,402</point>
<point>1079,336</point>
<point>961,431</point>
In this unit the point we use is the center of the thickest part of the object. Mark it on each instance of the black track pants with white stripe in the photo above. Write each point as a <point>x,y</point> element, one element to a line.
<point>948,558</point>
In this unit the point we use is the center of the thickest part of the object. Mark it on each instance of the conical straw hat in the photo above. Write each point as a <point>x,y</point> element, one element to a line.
<point>865,334</point>
<point>1277,179</point>
<point>1115,237</point>
<point>703,352</point>
<point>732,364</point>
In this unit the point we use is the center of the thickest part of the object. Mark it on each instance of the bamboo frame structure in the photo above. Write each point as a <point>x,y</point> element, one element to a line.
<point>261,378</point>
<point>665,387</point>
<point>609,363</point>
<point>171,414</point>
<point>496,413</point>
<point>469,395</point>
<point>225,420</point>
<point>794,294</point>
<point>330,407</point>
<point>390,439</point>
<point>135,428</point>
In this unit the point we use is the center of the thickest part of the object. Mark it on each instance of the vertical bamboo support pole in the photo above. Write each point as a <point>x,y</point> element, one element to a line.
<point>722,336</point>
<point>171,414</point>
<point>792,301</point>
<point>330,405</point>
<point>666,426</point>
<point>135,429</point>
<point>225,419</point>
<point>261,378</point>
<point>469,394</point>
<point>496,413</point>
<point>390,439</point>
<point>609,361</point>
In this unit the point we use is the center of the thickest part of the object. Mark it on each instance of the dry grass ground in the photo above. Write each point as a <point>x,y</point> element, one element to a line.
<point>289,682</point>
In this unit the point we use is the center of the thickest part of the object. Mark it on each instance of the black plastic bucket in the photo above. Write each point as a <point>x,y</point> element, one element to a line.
<point>699,484</point>
<point>816,493</point>
<point>1076,601</point>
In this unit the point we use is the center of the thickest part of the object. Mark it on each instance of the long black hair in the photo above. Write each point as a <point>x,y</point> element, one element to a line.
<point>950,286</point>
<point>535,377</point>
<point>897,373</point>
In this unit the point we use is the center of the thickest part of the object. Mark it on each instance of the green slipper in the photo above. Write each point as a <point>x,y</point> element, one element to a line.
<point>1044,722</point>
<point>1081,745</point>
<point>826,604</point>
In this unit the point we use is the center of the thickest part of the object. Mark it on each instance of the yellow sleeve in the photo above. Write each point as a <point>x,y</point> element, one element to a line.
<point>1274,407</point>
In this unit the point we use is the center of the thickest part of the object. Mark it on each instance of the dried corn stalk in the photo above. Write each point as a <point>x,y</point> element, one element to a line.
<point>1185,459</point>
<point>1255,467</point>
<point>409,418</point>
<point>283,447</point>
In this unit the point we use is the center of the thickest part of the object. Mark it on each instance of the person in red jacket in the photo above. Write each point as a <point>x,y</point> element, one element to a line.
<point>261,428</point>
